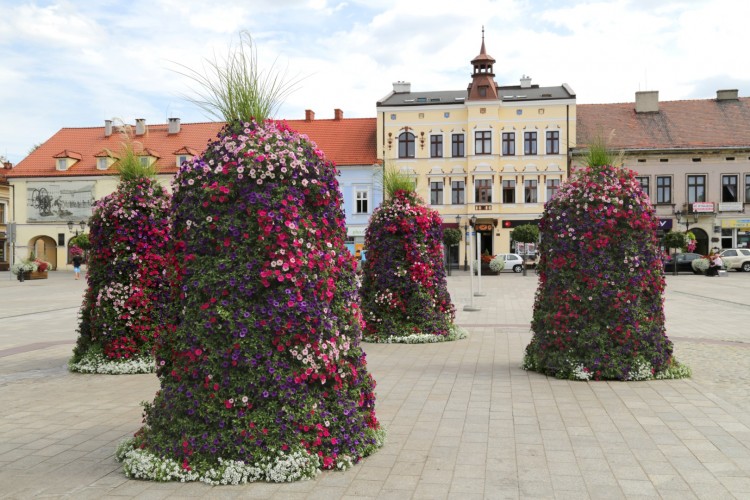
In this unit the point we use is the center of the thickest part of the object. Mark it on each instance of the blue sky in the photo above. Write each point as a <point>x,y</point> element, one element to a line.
<point>76,63</point>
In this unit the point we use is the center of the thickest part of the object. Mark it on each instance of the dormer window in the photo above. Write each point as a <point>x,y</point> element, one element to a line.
<point>145,161</point>
<point>184,154</point>
<point>66,159</point>
<point>101,163</point>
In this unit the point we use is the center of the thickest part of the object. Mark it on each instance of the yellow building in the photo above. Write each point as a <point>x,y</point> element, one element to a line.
<point>492,153</point>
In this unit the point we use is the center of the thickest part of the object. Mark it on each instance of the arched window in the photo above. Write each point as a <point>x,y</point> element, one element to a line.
<point>406,145</point>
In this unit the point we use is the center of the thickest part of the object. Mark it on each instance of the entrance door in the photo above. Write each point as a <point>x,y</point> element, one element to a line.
<point>701,241</point>
<point>486,242</point>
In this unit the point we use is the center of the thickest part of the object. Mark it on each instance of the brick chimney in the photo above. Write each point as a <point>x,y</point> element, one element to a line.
<point>140,126</point>
<point>107,128</point>
<point>647,101</point>
<point>727,95</point>
<point>174,126</point>
<point>309,115</point>
<point>338,114</point>
<point>7,165</point>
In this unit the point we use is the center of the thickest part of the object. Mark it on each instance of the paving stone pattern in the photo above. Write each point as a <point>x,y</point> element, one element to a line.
<point>464,420</point>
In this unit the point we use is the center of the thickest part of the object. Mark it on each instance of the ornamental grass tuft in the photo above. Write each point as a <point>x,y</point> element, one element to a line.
<point>404,290</point>
<point>599,308</point>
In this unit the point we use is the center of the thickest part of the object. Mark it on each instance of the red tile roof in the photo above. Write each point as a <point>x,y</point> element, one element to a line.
<point>706,123</point>
<point>349,141</point>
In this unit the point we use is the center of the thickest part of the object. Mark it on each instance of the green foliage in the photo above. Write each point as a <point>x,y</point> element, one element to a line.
<point>394,181</point>
<point>527,233</point>
<point>81,241</point>
<point>234,89</point>
<point>129,161</point>
<point>600,155</point>
<point>675,239</point>
<point>451,236</point>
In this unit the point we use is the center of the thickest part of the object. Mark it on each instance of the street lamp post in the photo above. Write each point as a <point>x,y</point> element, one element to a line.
<point>71,224</point>
<point>466,246</point>
<point>686,215</point>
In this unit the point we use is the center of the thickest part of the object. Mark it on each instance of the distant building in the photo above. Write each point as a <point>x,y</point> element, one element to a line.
<point>692,158</point>
<point>5,247</point>
<point>496,153</point>
<point>53,188</point>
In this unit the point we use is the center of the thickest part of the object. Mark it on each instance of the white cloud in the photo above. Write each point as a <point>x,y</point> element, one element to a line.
<point>76,63</point>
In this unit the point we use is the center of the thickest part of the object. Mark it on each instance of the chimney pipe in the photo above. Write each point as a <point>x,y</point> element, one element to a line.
<point>140,126</point>
<point>647,101</point>
<point>338,114</point>
<point>727,95</point>
<point>107,128</point>
<point>174,126</point>
<point>309,115</point>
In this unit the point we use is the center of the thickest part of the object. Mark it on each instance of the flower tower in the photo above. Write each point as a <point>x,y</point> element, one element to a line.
<point>262,376</point>
<point>404,291</point>
<point>599,308</point>
<point>127,285</point>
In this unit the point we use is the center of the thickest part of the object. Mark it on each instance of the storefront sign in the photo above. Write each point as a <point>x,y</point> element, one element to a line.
<point>484,227</point>
<point>61,201</point>
<point>665,224</point>
<point>355,230</point>
<point>730,207</point>
<point>703,207</point>
<point>741,224</point>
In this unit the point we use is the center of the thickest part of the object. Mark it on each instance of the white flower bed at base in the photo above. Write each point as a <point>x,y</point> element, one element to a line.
<point>456,333</point>
<point>279,467</point>
<point>97,363</point>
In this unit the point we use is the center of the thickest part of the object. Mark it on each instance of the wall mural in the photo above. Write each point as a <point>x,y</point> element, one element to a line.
<point>59,201</point>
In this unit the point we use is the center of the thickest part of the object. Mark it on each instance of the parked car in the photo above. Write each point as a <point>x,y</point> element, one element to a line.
<point>513,262</point>
<point>736,258</point>
<point>684,262</point>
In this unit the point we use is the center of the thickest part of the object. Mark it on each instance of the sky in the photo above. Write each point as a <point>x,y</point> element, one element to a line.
<point>76,63</point>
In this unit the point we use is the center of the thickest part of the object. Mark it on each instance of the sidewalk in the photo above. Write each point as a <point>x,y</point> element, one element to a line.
<point>464,420</point>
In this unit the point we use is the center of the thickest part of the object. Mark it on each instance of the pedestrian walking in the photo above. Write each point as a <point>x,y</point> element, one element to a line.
<point>77,266</point>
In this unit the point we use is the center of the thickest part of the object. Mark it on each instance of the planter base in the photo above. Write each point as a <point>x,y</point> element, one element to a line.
<point>35,275</point>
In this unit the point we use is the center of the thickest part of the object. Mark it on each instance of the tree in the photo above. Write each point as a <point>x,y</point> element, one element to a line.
<point>525,233</point>
<point>598,311</point>
<point>675,240</point>
<point>451,238</point>
<point>261,371</point>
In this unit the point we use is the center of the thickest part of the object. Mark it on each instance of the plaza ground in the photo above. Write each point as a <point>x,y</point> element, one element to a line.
<point>464,420</point>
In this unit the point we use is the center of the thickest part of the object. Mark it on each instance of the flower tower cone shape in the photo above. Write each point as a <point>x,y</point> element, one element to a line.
<point>599,307</point>
<point>262,375</point>
<point>127,285</point>
<point>404,289</point>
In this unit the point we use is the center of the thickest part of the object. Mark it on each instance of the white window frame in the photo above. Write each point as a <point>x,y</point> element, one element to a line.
<point>102,163</point>
<point>182,159</point>
<point>61,164</point>
<point>368,198</point>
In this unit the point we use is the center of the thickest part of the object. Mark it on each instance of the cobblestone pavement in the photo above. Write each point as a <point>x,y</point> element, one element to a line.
<point>464,421</point>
